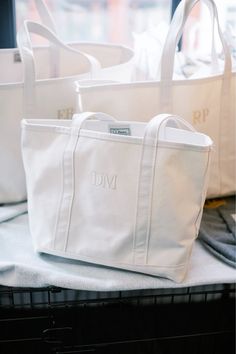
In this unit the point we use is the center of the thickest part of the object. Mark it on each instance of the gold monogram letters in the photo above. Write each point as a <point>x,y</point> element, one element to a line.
<point>66,113</point>
<point>200,116</point>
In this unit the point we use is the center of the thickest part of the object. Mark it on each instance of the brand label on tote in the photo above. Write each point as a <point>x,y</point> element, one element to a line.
<point>200,116</point>
<point>103,180</point>
<point>120,130</point>
<point>65,113</point>
<point>17,57</point>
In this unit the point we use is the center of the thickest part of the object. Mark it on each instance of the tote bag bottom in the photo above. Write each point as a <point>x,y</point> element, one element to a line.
<point>176,273</point>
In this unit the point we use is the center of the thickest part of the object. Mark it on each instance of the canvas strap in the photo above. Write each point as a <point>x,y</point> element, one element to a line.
<point>62,226</point>
<point>45,15</point>
<point>48,21</point>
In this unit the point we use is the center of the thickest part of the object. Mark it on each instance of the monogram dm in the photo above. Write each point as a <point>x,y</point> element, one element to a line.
<point>103,180</point>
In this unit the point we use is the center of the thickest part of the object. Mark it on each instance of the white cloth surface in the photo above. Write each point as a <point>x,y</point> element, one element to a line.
<point>21,266</point>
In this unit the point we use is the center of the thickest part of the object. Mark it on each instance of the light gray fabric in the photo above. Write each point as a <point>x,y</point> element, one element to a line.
<point>21,266</point>
<point>218,231</point>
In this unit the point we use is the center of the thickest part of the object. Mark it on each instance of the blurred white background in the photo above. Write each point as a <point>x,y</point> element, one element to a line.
<point>116,20</point>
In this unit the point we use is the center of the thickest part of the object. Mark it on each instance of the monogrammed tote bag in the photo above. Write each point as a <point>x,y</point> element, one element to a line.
<point>50,93</point>
<point>122,194</point>
<point>207,103</point>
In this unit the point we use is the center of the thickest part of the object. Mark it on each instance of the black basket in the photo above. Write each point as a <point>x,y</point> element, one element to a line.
<point>165,321</point>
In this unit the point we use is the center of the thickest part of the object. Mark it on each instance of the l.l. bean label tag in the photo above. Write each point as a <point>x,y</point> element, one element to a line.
<point>120,129</point>
<point>17,57</point>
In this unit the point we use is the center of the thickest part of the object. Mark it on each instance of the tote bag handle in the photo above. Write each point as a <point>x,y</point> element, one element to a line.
<point>168,54</point>
<point>214,57</point>
<point>26,51</point>
<point>45,15</point>
<point>47,20</point>
<point>146,181</point>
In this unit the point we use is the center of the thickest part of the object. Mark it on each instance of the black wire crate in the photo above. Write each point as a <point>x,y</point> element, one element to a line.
<point>165,321</point>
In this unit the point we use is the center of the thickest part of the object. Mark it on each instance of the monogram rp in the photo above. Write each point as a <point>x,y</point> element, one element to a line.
<point>200,116</point>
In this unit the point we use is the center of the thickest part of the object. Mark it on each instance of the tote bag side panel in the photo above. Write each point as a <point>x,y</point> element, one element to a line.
<point>42,154</point>
<point>177,200</point>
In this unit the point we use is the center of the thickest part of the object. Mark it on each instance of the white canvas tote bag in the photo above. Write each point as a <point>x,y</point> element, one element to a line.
<point>207,103</point>
<point>122,194</point>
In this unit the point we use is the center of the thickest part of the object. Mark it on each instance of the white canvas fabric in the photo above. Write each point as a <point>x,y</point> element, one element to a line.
<point>50,93</point>
<point>123,194</point>
<point>207,103</point>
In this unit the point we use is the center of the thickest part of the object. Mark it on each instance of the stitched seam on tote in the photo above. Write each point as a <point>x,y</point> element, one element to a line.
<point>20,84</point>
<point>61,198</point>
<point>222,106</point>
<point>219,143</point>
<point>47,129</point>
<point>136,211</point>
<point>203,190</point>
<point>138,141</point>
<point>73,194</point>
<point>108,261</point>
<point>151,202</point>
<point>147,84</point>
<point>46,82</point>
<point>150,197</point>
<point>162,144</point>
<point>61,209</point>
